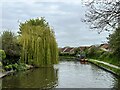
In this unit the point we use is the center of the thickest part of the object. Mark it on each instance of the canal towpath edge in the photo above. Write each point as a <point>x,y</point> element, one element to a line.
<point>106,66</point>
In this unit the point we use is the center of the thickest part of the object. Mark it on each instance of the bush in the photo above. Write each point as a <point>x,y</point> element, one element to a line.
<point>66,54</point>
<point>11,47</point>
<point>92,52</point>
<point>2,55</point>
<point>8,67</point>
<point>21,67</point>
<point>17,67</point>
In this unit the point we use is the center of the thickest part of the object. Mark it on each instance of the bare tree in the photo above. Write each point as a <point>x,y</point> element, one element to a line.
<point>103,14</point>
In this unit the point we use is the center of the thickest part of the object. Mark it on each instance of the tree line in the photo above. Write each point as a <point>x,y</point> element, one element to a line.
<point>34,45</point>
<point>105,16</point>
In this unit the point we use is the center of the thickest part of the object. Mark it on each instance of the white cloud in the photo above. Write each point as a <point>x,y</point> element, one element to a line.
<point>67,1</point>
<point>64,15</point>
<point>30,2</point>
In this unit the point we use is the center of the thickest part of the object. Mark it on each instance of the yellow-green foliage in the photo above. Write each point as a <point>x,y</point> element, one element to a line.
<point>38,42</point>
<point>2,55</point>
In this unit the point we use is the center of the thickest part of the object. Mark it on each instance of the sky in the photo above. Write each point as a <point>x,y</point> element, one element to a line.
<point>65,16</point>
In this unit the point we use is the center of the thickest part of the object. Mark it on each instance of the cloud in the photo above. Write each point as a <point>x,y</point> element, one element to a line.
<point>34,1</point>
<point>63,15</point>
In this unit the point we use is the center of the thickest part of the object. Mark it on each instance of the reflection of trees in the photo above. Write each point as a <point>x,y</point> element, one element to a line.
<point>117,84</point>
<point>116,80</point>
<point>0,84</point>
<point>36,78</point>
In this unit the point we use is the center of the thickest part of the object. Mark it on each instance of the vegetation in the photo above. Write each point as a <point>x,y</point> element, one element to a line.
<point>35,45</point>
<point>109,68</point>
<point>39,46</point>
<point>17,67</point>
<point>67,58</point>
<point>114,41</point>
<point>66,54</point>
<point>11,48</point>
<point>77,51</point>
<point>0,64</point>
<point>9,66</point>
<point>95,52</point>
<point>103,15</point>
<point>107,56</point>
<point>2,55</point>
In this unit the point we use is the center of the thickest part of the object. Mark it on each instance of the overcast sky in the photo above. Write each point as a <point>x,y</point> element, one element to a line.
<point>64,16</point>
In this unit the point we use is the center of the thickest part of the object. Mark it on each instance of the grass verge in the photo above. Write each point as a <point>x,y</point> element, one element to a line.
<point>111,69</point>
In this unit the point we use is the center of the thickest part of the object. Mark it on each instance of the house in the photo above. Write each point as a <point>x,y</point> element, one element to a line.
<point>69,50</point>
<point>105,47</point>
<point>83,48</point>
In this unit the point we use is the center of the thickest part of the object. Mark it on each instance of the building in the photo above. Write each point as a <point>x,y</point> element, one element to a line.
<point>105,47</point>
<point>69,50</point>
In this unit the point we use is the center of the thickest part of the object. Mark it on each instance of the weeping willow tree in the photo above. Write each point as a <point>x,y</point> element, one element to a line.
<point>39,46</point>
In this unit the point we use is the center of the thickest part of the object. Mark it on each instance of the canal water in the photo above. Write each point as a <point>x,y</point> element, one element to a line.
<point>67,74</point>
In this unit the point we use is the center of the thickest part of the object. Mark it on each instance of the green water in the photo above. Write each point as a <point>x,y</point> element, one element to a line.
<point>67,74</point>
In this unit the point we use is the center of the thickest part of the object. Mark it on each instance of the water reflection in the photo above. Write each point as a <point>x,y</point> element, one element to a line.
<point>0,83</point>
<point>36,78</point>
<point>72,74</point>
<point>117,84</point>
<point>84,62</point>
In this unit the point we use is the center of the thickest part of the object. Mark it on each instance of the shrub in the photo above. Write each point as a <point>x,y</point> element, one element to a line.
<point>92,52</point>
<point>2,55</point>
<point>11,47</point>
<point>21,67</point>
<point>15,66</point>
<point>0,64</point>
<point>8,67</point>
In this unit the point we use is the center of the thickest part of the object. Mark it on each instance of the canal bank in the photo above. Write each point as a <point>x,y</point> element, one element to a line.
<point>4,73</point>
<point>67,74</point>
<point>106,66</point>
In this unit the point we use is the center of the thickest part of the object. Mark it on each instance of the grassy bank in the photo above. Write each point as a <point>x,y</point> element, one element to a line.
<point>97,53</point>
<point>105,66</point>
<point>12,69</point>
<point>109,58</point>
<point>67,58</point>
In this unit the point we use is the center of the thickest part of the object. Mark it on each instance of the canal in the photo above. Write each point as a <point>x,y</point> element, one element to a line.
<point>67,74</point>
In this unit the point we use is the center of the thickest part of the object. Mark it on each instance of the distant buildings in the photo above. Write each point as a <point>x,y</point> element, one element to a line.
<point>72,50</point>
<point>83,48</point>
<point>69,50</point>
<point>105,47</point>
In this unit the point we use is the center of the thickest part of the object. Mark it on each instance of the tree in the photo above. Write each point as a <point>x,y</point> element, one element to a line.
<point>77,51</point>
<point>103,15</point>
<point>92,51</point>
<point>39,46</point>
<point>11,47</point>
<point>114,41</point>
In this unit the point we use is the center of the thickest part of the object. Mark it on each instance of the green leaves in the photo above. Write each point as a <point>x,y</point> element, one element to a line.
<point>114,41</point>
<point>2,55</point>
<point>10,44</point>
<point>39,46</point>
